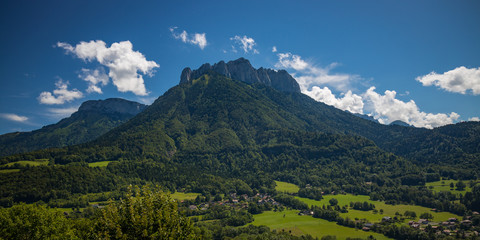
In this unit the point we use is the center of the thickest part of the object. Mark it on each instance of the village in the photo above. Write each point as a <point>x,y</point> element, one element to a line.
<point>233,200</point>
<point>449,227</point>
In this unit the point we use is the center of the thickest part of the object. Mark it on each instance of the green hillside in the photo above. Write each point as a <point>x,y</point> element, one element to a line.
<point>88,123</point>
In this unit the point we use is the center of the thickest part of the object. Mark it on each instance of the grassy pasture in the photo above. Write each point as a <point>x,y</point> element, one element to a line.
<point>388,210</point>
<point>444,185</point>
<point>184,196</point>
<point>99,164</point>
<point>35,163</point>
<point>8,170</point>
<point>286,187</point>
<point>301,225</point>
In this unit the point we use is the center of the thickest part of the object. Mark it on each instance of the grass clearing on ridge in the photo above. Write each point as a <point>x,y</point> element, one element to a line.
<point>444,185</point>
<point>9,170</point>
<point>184,196</point>
<point>286,187</point>
<point>99,164</point>
<point>36,163</point>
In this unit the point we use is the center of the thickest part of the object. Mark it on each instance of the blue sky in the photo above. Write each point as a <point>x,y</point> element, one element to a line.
<point>415,61</point>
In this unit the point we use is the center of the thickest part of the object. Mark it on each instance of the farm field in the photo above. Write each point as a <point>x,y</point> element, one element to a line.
<point>36,163</point>
<point>444,185</point>
<point>286,187</point>
<point>99,164</point>
<point>184,196</point>
<point>301,225</point>
<point>8,170</point>
<point>388,210</point>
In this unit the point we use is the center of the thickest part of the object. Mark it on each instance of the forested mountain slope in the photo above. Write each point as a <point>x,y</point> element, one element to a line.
<point>92,119</point>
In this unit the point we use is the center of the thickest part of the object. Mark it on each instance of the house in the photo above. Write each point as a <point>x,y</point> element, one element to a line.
<point>466,222</point>
<point>192,207</point>
<point>423,221</point>
<point>386,219</point>
<point>446,231</point>
<point>368,225</point>
<point>452,219</point>
<point>366,229</point>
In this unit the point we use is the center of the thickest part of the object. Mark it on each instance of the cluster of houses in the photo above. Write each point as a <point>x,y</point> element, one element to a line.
<point>447,227</point>
<point>238,201</point>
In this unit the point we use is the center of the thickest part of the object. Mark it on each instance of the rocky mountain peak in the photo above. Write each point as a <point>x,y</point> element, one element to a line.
<point>242,70</point>
<point>112,105</point>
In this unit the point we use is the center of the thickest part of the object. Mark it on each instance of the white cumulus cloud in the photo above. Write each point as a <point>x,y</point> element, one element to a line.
<point>198,39</point>
<point>315,81</point>
<point>274,49</point>
<point>13,117</point>
<point>124,64</point>
<point>386,109</point>
<point>350,102</point>
<point>246,43</point>
<point>94,78</point>
<point>61,112</point>
<point>60,95</point>
<point>474,119</point>
<point>458,80</point>
<point>288,60</point>
<point>309,75</point>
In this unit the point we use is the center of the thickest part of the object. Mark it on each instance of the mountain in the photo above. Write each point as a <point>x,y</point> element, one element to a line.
<point>212,110</point>
<point>93,118</point>
<point>242,70</point>
<point>199,103</point>
<point>214,134</point>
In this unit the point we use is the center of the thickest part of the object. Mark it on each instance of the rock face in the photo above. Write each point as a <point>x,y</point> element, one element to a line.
<point>112,105</point>
<point>242,70</point>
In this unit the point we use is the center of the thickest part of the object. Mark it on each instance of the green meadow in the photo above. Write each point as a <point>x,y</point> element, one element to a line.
<point>286,187</point>
<point>290,221</point>
<point>8,170</point>
<point>35,163</point>
<point>444,185</point>
<point>184,196</point>
<point>99,164</point>
<point>388,210</point>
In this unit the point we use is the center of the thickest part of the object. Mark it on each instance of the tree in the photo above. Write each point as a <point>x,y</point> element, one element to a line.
<point>410,214</point>
<point>426,215</point>
<point>217,198</point>
<point>333,201</point>
<point>461,185</point>
<point>144,214</point>
<point>33,222</point>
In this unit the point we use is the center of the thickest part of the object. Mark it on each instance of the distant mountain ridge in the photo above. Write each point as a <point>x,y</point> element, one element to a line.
<point>242,70</point>
<point>400,123</point>
<point>112,105</point>
<point>93,118</point>
<point>213,130</point>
